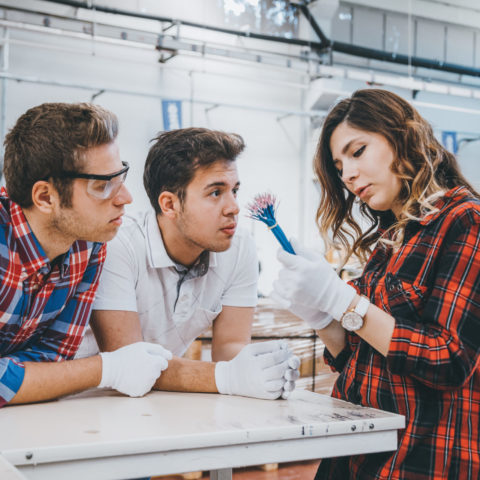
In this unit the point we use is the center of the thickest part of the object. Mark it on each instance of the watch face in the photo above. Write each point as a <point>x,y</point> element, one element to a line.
<point>352,321</point>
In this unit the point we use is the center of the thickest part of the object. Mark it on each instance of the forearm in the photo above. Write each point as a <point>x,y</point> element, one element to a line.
<point>49,380</point>
<point>377,329</point>
<point>183,375</point>
<point>226,351</point>
<point>333,336</point>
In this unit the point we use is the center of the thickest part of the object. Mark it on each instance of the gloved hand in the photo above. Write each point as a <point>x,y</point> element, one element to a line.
<point>314,318</point>
<point>307,280</point>
<point>134,369</point>
<point>257,371</point>
<point>291,375</point>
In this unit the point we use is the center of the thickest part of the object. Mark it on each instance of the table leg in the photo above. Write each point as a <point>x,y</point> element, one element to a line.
<point>222,474</point>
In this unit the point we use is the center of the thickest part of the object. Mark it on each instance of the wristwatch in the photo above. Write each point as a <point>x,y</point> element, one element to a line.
<point>352,319</point>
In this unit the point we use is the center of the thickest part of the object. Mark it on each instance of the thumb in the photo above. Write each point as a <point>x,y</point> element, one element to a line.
<point>296,245</point>
<point>287,259</point>
<point>304,252</point>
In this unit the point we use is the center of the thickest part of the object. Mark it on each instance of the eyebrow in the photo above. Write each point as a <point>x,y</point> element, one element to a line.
<point>346,147</point>
<point>219,184</point>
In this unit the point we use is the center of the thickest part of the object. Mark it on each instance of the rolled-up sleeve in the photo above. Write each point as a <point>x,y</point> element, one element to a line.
<point>61,339</point>
<point>441,348</point>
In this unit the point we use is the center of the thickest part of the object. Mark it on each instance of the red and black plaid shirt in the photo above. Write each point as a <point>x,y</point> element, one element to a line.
<point>431,286</point>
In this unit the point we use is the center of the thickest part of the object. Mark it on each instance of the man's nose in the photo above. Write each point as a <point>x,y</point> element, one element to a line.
<point>231,206</point>
<point>123,196</point>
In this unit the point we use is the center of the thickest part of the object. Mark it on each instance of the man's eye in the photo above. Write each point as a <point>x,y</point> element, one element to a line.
<point>215,193</point>
<point>235,191</point>
<point>99,185</point>
<point>359,152</point>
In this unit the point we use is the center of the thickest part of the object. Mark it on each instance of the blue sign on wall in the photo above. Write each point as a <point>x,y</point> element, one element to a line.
<point>172,114</point>
<point>449,141</point>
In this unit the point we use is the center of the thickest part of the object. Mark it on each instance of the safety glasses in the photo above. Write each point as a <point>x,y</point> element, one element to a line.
<point>102,186</point>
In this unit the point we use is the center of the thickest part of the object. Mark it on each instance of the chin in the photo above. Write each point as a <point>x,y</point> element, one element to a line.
<point>102,238</point>
<point>220,247</point>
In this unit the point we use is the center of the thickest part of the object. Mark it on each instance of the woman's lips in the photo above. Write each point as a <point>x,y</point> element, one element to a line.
<point>363,191</point>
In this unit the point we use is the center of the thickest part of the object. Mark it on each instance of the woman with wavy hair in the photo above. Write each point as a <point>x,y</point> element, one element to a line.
<point>405,335</point>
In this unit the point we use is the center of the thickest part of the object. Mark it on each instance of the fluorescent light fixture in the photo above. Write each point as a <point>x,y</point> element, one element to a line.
<point>359,75</point>
<point>436,88</point>
<point>460,92</point>
<point>332,71</point>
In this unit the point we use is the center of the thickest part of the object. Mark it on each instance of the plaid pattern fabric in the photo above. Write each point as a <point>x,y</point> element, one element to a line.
<point>431,286</point>
<point>44,306</point>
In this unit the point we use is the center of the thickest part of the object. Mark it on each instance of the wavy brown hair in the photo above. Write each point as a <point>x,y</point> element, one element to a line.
<point>425,169</point>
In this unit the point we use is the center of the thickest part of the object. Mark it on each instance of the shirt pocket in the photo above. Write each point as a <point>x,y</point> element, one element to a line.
<point>402,298</point>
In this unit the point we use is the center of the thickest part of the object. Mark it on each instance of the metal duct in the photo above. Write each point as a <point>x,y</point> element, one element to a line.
<point>323,46</point>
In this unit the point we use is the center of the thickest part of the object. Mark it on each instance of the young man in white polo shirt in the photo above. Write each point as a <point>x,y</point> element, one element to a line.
<point>173,272</point>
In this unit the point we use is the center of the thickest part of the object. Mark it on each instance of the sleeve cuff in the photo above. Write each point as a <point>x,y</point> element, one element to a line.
<point>337,363</point>
<point>12,374</point>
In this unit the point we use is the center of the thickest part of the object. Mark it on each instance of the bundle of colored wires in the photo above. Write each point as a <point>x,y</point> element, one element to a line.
<point>263,208</point>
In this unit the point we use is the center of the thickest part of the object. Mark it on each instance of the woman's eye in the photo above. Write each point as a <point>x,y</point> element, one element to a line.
<point>235,191</point>
<point>359,152</point>
<point>215,193</point>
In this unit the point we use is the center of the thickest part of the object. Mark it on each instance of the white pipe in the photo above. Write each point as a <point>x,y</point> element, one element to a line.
<point>96,88</point>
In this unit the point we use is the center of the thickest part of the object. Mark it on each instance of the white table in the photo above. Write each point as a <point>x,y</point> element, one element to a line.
<point>104,435</point>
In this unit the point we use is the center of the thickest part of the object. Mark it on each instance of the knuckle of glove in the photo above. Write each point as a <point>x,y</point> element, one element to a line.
<point>285,394</point>
<point>292,374</point>
<point>289,386</point>
<point>281,356</point>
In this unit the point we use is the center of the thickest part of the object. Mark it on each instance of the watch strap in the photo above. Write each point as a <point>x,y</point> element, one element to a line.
<point>362,306</point>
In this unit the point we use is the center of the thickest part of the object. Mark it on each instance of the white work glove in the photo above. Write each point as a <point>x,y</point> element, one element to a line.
<point>291,375</point>
<point>257,371</point>
<point>134,369</point>
<point>309,282</point>
<point>314,318</point>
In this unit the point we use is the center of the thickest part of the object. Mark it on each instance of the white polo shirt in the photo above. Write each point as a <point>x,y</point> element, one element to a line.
<point>139,276</point>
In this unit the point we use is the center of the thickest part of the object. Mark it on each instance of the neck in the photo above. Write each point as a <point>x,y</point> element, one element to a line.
<point>178,248</point>
<point>52,243</point>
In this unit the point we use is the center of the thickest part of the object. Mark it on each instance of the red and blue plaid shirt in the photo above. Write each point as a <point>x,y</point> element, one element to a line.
<point>44,306</point>
<point>431,286</point>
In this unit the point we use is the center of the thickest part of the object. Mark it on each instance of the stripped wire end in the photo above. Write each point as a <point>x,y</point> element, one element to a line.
<point>263,208</point>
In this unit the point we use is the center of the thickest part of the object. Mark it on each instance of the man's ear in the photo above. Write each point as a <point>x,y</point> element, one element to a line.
<point>169,204</point>
<point>44,196</point>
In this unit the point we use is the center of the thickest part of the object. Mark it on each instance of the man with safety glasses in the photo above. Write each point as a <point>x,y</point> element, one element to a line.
<point>64,197</point>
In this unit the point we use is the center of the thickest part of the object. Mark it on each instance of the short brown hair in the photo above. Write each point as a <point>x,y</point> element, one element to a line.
<point>50,139</point>
<point>176,155</point>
